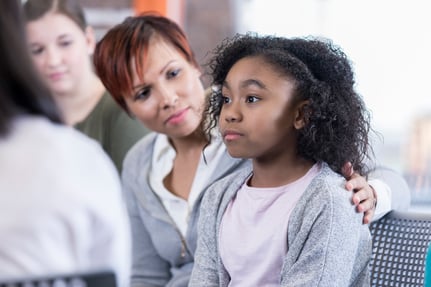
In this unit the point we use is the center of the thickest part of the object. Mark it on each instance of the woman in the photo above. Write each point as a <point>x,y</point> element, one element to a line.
<point>147,65</point>
<point>61,44</point>
<point>52,178</point>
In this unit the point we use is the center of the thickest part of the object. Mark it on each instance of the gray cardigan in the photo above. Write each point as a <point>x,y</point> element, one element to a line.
<point>327,243</point>
<point>162,256</point>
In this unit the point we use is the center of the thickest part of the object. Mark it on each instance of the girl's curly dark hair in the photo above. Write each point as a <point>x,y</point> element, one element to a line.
<point>337,121</point>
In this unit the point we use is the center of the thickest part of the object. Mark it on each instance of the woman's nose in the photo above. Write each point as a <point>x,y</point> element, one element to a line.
<point>168,99</point>
<point>53,57</point>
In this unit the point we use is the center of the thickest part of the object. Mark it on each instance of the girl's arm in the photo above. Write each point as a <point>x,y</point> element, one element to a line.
<point>205,272</point>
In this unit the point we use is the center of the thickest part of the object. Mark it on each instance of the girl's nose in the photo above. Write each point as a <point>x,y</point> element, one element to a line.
<point>231,113</point>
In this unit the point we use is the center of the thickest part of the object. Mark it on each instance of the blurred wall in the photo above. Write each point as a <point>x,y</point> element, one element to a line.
<point>106,3</point>
<point>206,22</point>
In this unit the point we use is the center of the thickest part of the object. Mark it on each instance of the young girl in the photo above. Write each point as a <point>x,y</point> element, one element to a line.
<point>290,106</point>
<point>61,44</point>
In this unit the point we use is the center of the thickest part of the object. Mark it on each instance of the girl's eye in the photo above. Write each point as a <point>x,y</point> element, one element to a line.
<point>142,94</point>
<point>252,99</point>
<point>173,73</point>
<point>226,100</point>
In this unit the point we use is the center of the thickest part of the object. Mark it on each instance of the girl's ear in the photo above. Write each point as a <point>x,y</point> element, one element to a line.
<point>91,39</point>
<point>301,114</point>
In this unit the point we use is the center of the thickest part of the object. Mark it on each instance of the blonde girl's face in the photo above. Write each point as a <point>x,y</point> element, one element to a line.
<point>169,98</point>
<point>61,51</point>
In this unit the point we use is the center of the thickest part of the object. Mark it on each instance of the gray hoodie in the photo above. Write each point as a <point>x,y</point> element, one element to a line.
<point>327,243</point>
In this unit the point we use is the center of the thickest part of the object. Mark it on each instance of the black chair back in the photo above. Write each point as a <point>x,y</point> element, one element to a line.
<point>400,243</point>
<point>93,279</point>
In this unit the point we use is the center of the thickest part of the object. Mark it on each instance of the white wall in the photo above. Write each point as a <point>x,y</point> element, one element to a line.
<point>389,42</point>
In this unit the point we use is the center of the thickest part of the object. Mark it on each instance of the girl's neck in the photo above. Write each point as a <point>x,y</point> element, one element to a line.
<point>279,172</point>
<point>79,103</point>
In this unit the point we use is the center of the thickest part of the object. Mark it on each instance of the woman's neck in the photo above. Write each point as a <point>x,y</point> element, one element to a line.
<point>196,140</point>
<point>79,103</point>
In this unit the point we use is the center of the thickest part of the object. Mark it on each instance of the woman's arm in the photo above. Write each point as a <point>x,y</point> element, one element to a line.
<point>391,189</point>
<point>148,268</point>
<point>384,191</point>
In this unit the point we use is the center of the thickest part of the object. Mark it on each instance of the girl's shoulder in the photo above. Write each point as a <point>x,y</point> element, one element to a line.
<point>326,190</point>
<point>326,197</point>
<point>225,188</point>
<point>327,193</point>
<point>234,179</point>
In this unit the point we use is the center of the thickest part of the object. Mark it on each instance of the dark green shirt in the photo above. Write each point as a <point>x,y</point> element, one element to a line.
<point>113,128</point>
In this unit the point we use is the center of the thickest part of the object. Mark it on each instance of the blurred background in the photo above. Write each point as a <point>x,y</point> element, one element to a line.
<point>388,42</point>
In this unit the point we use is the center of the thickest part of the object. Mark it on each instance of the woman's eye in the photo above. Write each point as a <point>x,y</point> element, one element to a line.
<point>173,73</point>
<point>252,99</point>
<point>36,50</point>
<point>65,43</point>
<point>142,94</point>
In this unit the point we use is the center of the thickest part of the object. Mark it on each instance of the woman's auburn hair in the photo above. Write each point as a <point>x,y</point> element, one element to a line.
<point>124,49</point>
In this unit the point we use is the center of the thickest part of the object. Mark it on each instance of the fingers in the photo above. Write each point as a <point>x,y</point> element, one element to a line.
<point>368,216</point>
<point>356,182</point>
<point>365,205</point>
<point>364,197</point>
<point>347,170</point>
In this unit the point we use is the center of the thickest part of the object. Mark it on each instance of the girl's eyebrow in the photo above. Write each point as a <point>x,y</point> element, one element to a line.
<point>253,82</point>
<point>247,83</point>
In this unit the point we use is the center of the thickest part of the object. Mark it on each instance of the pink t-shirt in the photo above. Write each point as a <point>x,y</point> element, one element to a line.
<point>253,234</point>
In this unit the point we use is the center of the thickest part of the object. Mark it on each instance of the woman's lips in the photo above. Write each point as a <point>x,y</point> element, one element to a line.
<point>177,117</point>
<point>55,76</point>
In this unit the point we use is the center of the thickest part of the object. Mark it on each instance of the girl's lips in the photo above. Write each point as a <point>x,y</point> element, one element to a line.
<point>177,117</point>
<point>231,135</point>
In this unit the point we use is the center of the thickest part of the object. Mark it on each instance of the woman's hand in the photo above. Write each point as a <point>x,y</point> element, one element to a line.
<point>364,197</point>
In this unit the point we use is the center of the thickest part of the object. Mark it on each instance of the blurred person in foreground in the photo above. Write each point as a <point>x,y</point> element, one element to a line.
<point>51,178</point>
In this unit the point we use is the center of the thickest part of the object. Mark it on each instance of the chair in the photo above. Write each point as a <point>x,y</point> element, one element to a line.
<point>400,242</point>
<point>93,279</point>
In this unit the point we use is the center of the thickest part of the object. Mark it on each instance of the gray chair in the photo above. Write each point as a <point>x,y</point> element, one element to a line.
<point>400,242</point>
<point>90,279</point>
